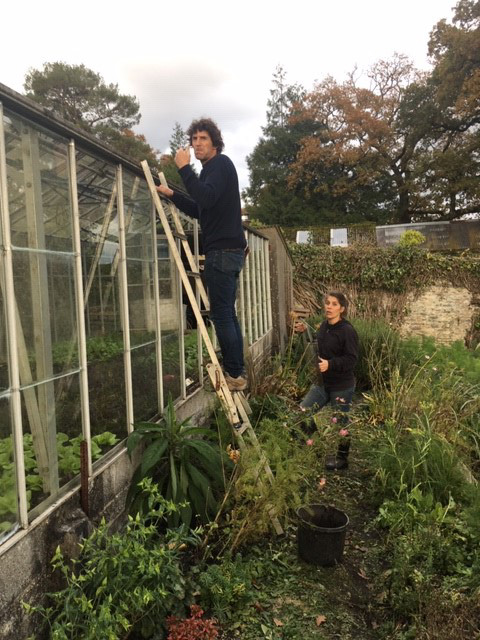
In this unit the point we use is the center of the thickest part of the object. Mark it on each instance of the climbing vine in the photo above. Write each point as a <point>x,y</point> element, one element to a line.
<point>369,268</point>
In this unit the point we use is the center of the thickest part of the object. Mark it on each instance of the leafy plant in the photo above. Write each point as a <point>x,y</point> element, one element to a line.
<point>254,497</point>
<point>193,628</point>
<point>121,582</point>
<point>181,458</point>
<point>68,450</point>
<point>289,376</point>
<point>191,353</point>
<point>378,352</point>
<point>225,587</point>
<point>421,436</point>
<point>411,238</point>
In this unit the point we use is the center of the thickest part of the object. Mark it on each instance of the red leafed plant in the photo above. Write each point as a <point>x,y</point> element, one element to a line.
<point>193,628</point>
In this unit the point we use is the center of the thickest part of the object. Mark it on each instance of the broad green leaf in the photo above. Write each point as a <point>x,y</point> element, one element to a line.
<point>153,455</point>
<point>173,477</point>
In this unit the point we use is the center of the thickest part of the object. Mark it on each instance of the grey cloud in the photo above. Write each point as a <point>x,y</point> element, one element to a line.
<point>182,91</point>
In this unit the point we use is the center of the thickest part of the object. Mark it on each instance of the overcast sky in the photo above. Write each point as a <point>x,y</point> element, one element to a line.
<point>185,59</point>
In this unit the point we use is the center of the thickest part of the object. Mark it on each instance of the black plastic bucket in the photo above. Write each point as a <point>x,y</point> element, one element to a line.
<point>321,534</point>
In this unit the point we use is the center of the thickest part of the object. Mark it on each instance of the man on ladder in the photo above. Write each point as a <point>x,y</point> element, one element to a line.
<point>215,202</point>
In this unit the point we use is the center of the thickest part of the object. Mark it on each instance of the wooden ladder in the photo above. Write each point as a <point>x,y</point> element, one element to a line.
<point>234,404</point>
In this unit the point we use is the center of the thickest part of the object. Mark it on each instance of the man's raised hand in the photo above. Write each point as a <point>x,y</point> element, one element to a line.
<point>182,157</point>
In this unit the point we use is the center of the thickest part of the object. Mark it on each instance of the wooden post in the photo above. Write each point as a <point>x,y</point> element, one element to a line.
<point>40,307</point>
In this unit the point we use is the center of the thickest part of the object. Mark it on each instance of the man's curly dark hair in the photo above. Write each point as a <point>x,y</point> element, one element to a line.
<point>211,127</point>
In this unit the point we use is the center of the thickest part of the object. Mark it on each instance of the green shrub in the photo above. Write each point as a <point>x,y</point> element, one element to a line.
<point>253,497</point>
<point>361,269</point>
<point>121,582</point>
<point>411,238</point>
<point>421,436</point>
<point>433,553</point>
<point>378,353</point>
<point>225,587</point>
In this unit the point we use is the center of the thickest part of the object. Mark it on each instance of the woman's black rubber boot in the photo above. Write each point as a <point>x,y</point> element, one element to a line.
<point>340,461</point>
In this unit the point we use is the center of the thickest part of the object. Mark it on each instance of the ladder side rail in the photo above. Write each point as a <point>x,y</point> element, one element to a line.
<point>190,292</point>
<point>186,247</point>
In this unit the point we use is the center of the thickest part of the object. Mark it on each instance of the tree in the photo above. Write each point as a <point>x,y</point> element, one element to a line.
<point>268,197</point>
<point>452,174</point>
<point>403,147</point>
<point>367,154</point>
<point>132,145</point>
<point>82,97</point>
<point>407,147</point>
<point>178,139</point>
<point>455,51</point>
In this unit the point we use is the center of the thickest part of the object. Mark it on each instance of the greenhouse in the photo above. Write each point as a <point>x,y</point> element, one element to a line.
<point>94,330</point>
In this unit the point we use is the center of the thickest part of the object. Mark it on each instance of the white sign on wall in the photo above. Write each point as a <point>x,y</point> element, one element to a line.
<point>338,238</point>
<point>304,237</point>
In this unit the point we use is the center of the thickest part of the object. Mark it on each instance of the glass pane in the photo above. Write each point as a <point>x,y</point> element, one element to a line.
<point>52,429</point>
<point>191,357</point>
<point>38,186</point>
<point>100,244</point>
<point>96,183</point>
<point>45,296</point>
<point>144,380</point>
<point>106,385</point>
<point>171,365</point>
<point>165,268</point>
<point>141,301</point>
<point>8,490</point>
<point>169,320</point>
<point>138,225</point>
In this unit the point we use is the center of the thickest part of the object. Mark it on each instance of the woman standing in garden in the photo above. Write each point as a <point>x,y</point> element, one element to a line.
<point>337,352</point>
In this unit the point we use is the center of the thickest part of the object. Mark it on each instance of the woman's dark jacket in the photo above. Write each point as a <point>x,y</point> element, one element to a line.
<point>338,343</point>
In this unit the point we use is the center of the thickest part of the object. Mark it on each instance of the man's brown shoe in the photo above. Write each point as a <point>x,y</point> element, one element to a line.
<point>236,384</point>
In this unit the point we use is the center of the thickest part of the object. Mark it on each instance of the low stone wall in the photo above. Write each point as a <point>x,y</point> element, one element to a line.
<point>25,563</point>
<point>443,312</point>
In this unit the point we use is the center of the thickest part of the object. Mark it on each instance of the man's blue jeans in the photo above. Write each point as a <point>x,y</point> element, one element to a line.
<point>222,269</point>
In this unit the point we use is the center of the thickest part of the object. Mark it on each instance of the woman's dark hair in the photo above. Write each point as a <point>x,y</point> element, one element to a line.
<point>342,299</point>
<point>208,125</point>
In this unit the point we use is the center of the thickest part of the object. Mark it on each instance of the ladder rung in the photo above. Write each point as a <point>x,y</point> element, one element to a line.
<point>240,428</point>
<point>194,274</point>
<point>180,236</point>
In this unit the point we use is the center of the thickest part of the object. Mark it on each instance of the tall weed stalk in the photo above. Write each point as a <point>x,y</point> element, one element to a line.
<point>422,436</point>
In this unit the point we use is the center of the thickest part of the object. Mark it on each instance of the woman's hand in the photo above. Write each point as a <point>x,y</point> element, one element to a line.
<point>299,326</point>
<point>322,365</point>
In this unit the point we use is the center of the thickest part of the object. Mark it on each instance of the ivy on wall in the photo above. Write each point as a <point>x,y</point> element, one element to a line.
<point>368,268</point>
